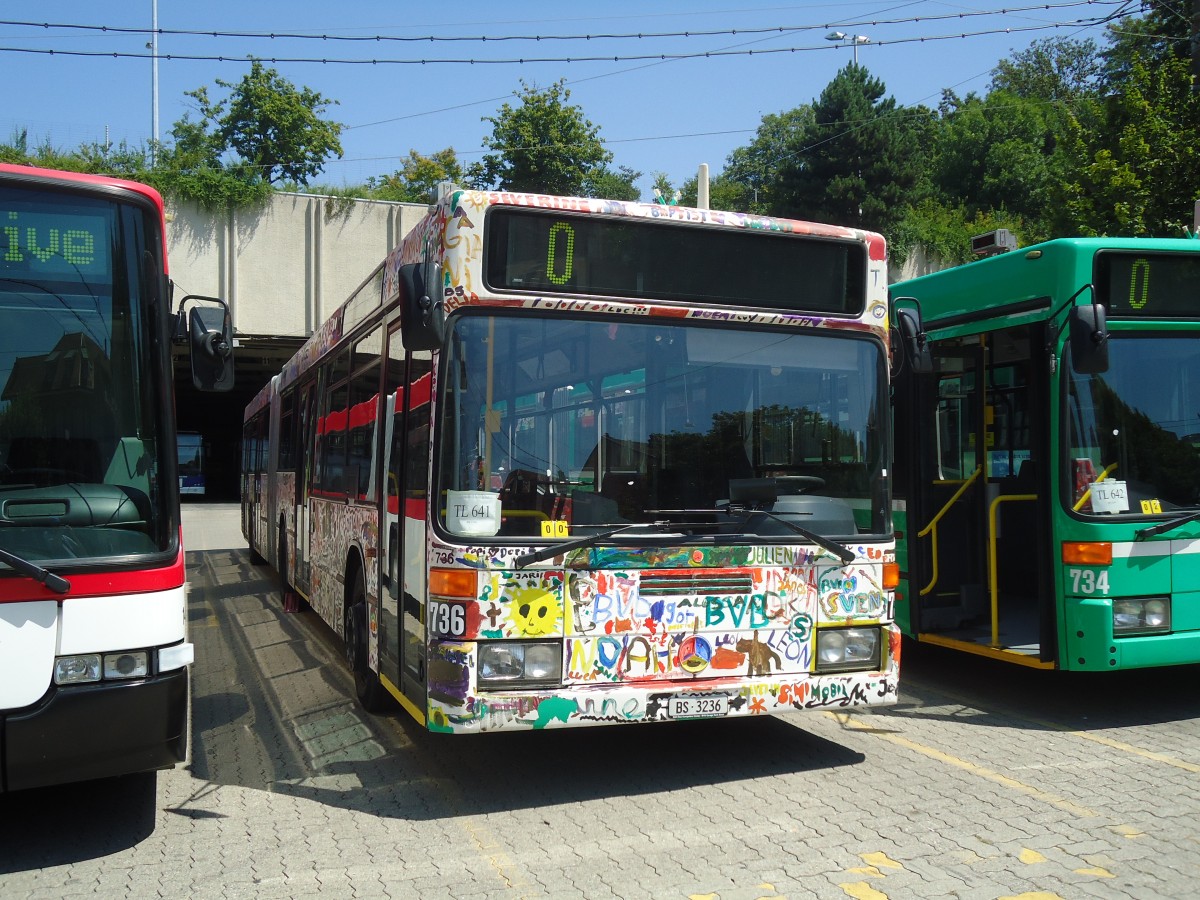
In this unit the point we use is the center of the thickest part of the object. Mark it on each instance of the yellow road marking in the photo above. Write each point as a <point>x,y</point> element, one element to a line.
<point>880,859</point>
<point>1087,736</point>
<point>486,842</point>
<point>1031,857</point>
<point>1128,748</point>
<point>860,890</point>
<point>982,771</point>
<point>1096,871</point>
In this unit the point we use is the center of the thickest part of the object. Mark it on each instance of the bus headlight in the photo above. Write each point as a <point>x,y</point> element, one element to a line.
<point>80,669</point>
<point>85,668</point>
<point>519,663</point>
<point>847,649</point>
<point>1141,615</point>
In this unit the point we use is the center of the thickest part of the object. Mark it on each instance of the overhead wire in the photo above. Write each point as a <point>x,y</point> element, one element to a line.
<point>1122,7</point>
<point>531,60</point>
<point>538,38</point>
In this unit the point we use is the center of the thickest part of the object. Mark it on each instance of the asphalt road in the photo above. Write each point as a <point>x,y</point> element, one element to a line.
<point>984,782</point>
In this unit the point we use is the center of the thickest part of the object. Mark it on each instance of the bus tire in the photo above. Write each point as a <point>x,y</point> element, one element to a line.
<point>367,688</point>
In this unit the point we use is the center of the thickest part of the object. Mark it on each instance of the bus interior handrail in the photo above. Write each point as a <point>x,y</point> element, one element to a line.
<point>932,526</point>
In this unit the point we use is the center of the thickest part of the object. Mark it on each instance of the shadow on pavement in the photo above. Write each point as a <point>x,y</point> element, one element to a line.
<point>62,825</point>
<point>936,682</point>
<point>273,710</point>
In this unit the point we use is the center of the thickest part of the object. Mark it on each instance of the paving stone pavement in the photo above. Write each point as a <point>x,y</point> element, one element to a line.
<point>984,782</point>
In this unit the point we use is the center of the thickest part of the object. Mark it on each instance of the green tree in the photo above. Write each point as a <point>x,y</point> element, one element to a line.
<point>607,184</point>
<point>753,168</point>
<point>859,162</point>
<point>999,153</point>
<point>417,178</point>
<point>1140,174</point>
<point>543,144</point>
<point>266,124</point>
<point>723,193</point>
<point>943,230</point>
<point>1162,34</point>
<point>191,168</point>
<point>1057,70</point>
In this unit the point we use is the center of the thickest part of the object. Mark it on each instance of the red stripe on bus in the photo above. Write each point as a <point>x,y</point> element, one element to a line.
<point>363,414</point>
<point>413,509</point>
<point>420,391</point>
<point>96,584</point>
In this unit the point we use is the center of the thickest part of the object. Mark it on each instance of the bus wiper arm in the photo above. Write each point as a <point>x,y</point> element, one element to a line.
<point>56,583</point>
<point>1142,533</point>
<point>589,540</point>
<point>841,551</point>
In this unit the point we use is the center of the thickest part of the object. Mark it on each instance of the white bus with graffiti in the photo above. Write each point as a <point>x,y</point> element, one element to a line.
<point>566,461</point>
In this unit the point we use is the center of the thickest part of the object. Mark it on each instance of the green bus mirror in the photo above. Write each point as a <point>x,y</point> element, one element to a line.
<point>1089,339</point>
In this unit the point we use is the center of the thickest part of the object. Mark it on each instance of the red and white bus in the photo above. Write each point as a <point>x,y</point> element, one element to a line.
<point>562,461</point>
<point>93,644</point>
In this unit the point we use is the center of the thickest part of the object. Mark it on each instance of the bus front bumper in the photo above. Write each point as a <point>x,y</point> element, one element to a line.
<point>96,731</point>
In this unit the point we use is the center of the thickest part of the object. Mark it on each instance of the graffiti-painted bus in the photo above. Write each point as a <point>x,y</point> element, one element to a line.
<point>1048,456</point>
<point>94,651</point>
<point>565,462</point>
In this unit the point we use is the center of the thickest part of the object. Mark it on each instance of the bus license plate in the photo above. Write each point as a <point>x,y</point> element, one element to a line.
<point>697,706</point>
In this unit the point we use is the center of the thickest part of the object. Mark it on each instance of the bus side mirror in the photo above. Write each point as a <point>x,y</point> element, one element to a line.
<point>209,335</point>
<point>914,343</point>
<point>1089,339</point>
<point>422,316</point>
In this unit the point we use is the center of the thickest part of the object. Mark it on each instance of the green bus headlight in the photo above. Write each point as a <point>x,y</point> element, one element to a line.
<point>1141,615</point>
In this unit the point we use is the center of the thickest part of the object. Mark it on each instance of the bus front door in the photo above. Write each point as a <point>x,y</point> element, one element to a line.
<point>403,539</point>
<point>983,488</point>
<point>306,437</point>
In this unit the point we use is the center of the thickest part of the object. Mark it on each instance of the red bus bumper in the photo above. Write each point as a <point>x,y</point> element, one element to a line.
<point>96,731</point>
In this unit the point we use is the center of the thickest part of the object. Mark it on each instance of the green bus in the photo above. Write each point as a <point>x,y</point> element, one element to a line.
<point>1047,455</point>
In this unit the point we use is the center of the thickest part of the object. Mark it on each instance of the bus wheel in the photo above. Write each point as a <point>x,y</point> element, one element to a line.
<point>367,688</point>
<point>289,598</point>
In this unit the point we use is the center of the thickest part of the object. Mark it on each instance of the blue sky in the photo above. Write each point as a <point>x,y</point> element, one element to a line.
<point>656,115</point>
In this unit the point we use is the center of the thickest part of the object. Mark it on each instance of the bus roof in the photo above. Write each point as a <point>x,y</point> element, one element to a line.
<point>37,176</point>
<point>1018,280</point>
<point>101,181</point>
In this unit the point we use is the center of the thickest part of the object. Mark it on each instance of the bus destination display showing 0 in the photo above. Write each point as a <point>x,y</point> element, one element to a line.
<point>1151,285</point>
<point>553,252</point>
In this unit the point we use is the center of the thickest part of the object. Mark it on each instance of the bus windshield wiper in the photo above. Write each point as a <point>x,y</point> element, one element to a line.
<point>588,540</point>
<point>841,551</point>
<point>1142,533</point>
<point>56,583</point>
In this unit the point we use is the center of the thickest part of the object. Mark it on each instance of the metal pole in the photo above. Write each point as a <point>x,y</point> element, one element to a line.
<point>154,81</point>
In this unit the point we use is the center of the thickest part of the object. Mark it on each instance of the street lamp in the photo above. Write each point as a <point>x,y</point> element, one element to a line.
<point>842,38</point>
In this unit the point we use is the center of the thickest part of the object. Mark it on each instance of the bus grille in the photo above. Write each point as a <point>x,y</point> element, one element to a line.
<point>675,584</point>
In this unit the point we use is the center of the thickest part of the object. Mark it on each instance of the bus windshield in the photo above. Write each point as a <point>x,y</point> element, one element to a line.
<point>80,473</point>
<point>595,424</point>
<point>1137,426</point>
